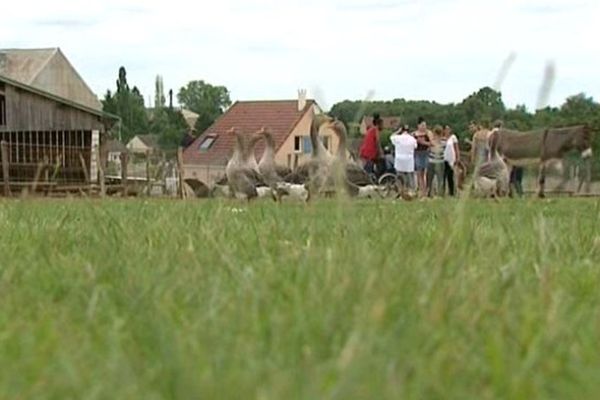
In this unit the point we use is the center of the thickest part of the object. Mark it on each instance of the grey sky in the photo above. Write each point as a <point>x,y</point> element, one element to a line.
<point>439,50</point>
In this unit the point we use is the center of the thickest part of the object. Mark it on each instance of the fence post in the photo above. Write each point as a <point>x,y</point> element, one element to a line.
<point>5,167</point>
<point>124,161</point>
<point>164,172</point>
<point>148,184</point>
<point>180,188</point>
<point>102,163</point>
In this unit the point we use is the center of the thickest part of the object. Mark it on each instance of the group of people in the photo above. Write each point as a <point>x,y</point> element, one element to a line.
<point>423,160</point>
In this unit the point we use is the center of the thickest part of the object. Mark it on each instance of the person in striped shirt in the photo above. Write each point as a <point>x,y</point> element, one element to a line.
<point>435,167</point>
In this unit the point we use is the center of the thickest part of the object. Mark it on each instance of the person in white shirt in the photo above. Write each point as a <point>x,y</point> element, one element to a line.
<point>451,158</point>
<point>404,159</point>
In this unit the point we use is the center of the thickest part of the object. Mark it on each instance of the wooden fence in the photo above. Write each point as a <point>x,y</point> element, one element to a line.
<point>57,163</point>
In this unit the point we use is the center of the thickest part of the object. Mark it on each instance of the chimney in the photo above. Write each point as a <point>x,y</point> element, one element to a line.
<point>301,99</point>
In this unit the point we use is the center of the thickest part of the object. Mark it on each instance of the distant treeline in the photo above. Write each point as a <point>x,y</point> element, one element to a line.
<point>485,106</point>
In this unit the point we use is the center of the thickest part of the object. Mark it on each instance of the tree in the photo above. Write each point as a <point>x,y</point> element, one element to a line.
<point>129,105</point>
<point>547,117</point>
<point>346,111</point>
<point>519,119</point>
<point>580,108</point>
<point>485,105</point>
<point>159,93</point>
<point>352,112</point>
<point>206,100</point>
<point>169,125</point>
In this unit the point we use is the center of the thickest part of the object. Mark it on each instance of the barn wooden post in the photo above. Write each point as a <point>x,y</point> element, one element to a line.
<point>124,162</point>
<point>5,166</point>
<point>180,188</point>
<point>84,169</point>
<point>95,160</point>
<point>101,167</point>
<point>47,173</point>
<point>38,174</point>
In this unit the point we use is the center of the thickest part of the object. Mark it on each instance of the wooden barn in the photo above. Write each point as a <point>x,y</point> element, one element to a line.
<point>48,138</point>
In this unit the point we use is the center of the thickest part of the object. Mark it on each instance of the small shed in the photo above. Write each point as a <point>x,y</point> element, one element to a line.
<point>143,144</point>
<point>114,149</point>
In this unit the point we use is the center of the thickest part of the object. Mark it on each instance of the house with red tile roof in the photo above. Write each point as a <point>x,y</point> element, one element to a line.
<point>288,120</point>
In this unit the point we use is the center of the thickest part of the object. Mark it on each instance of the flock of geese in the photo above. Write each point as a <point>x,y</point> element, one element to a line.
<point>323,173</point>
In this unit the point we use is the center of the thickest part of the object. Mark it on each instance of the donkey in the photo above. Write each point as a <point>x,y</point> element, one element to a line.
<point>539,147</point>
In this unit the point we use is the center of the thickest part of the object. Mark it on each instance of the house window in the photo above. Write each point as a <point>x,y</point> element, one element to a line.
<point>306,145</point>
<point>297,144</point>
<point>207,142</point>
<point>2,110</point>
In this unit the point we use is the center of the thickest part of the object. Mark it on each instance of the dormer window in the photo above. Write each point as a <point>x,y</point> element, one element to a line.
<point>207,142</point>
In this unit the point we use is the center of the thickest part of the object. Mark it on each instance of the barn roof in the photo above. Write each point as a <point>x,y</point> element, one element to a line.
<point>281,117</point>
<point>24,65</point>
<point>48,70</point>
<point>58,99</point>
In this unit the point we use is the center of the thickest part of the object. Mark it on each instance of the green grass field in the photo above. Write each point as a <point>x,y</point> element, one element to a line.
<point>334,300</point>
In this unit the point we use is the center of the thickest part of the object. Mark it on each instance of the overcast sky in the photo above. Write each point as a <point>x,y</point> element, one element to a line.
<point>440,50</point>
